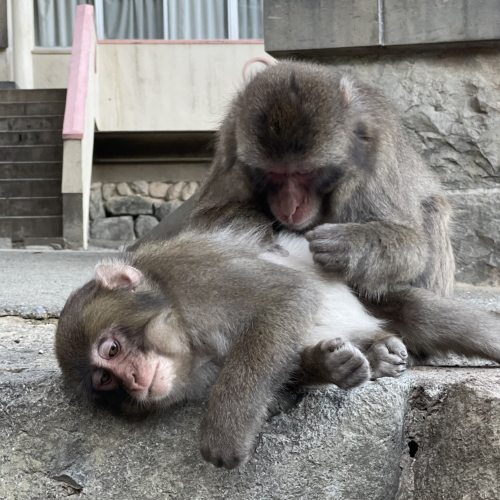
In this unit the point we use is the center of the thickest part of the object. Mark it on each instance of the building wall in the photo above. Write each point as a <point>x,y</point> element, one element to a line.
<point>169,86</point>
<point>51,68</point>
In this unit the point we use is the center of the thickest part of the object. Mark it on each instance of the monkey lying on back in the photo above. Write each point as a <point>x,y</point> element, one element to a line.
<point>169,320</point>
<point>175,317</point>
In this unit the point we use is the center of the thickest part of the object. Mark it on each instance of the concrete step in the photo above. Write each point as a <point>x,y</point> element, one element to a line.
<point>432,434</point>
<point>31,206</point>
<point>33,95</point>
<point>31,138</point>
<point>17,188</point>
<point>19,228</point>
<point>31,153</point>
<point>32,108</point>
<point>23,123</point>
<point>30,170</point>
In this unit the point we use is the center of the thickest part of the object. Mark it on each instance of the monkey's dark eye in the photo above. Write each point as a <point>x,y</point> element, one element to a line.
<point>105,377</point>
<point>113,350</point>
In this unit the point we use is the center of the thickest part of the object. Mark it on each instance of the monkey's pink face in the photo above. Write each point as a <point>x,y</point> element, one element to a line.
<point>293,200</point>
<point>146,377</point>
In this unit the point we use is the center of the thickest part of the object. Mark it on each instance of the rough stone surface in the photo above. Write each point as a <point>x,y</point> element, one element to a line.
<point>453,434</point>
<point>332,444</point>
<point>36,284</point>
<point>175,190</point>
<point>188,190</point>
<point>108,191</point>
<point>96,205</point>
<point>123,189</point>
<point>450,108</point>
<point>158,189</point>
<point>130,205</point>
<point>113,228</point>
<point>140,187</point>
<point>477,237</point>
<point>441,427</point>
<point>5,243</point>
<point>164,209</point>
<point>144,224</point>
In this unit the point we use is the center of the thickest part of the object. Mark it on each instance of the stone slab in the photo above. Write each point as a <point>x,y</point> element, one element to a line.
<point>439,426</point>
<point>333,444</point>
<point>453,435</point>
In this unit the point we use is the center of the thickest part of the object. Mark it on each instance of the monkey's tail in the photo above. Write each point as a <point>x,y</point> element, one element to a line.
<point>430,325</point>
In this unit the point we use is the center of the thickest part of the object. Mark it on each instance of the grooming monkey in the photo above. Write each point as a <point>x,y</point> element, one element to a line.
<point>161,326</point>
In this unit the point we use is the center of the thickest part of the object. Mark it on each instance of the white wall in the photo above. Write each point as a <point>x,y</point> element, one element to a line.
<point>167,86</point>
<point>51,68</point>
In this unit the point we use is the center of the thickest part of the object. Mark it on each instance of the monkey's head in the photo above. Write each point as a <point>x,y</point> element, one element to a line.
<point>300,129</point>
<point>117,341</point>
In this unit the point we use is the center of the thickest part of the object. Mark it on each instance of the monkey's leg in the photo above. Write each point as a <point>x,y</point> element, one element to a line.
<point>387,356</point>
<point>429,324</point>
<point>333,362</point>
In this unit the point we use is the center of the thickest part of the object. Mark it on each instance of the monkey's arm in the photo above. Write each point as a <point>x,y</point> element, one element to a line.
<point>372,257</point>
<point>257,366</point>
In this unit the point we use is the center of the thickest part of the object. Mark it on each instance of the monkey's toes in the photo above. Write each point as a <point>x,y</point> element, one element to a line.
<point>343,364</point>
<point>388,357</point>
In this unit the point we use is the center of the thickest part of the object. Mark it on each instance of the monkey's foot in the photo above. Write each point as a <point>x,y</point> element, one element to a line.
<point>336,362</point>
<point>387,357</point>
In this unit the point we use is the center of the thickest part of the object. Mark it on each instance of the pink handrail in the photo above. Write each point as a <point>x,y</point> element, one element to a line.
<point>76,97</point>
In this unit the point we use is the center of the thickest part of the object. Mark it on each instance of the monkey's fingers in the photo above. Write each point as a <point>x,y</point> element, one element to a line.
<point>326,231</point>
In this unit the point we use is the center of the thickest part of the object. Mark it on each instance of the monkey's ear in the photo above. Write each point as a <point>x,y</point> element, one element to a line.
<point>347,89</point>
<point>118,276</point>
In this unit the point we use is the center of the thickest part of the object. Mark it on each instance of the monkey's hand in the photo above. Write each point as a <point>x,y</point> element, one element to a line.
<point>330,246</point>
<point>387,357</point>
<point>372,257</point>
<point>334,362</point>
<point>227,437</point>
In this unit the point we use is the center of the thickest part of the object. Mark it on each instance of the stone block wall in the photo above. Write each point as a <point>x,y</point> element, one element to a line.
<point>120,213</point>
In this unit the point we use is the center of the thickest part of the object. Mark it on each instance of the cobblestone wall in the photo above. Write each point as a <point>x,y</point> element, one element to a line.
<point>126,211</point>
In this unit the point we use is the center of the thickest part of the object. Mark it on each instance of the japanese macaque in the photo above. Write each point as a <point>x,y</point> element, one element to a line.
<point>175,317</point>
<point>225,309</point>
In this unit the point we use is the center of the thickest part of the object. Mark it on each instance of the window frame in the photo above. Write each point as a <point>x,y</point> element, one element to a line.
<point>232,21</point>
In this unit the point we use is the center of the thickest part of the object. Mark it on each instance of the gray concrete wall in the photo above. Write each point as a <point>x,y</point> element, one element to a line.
<point>294,26</point>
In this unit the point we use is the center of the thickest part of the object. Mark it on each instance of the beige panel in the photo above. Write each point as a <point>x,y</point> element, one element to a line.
<point>168,86</point>
<point>51,69</point>
<point>167,172</point>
